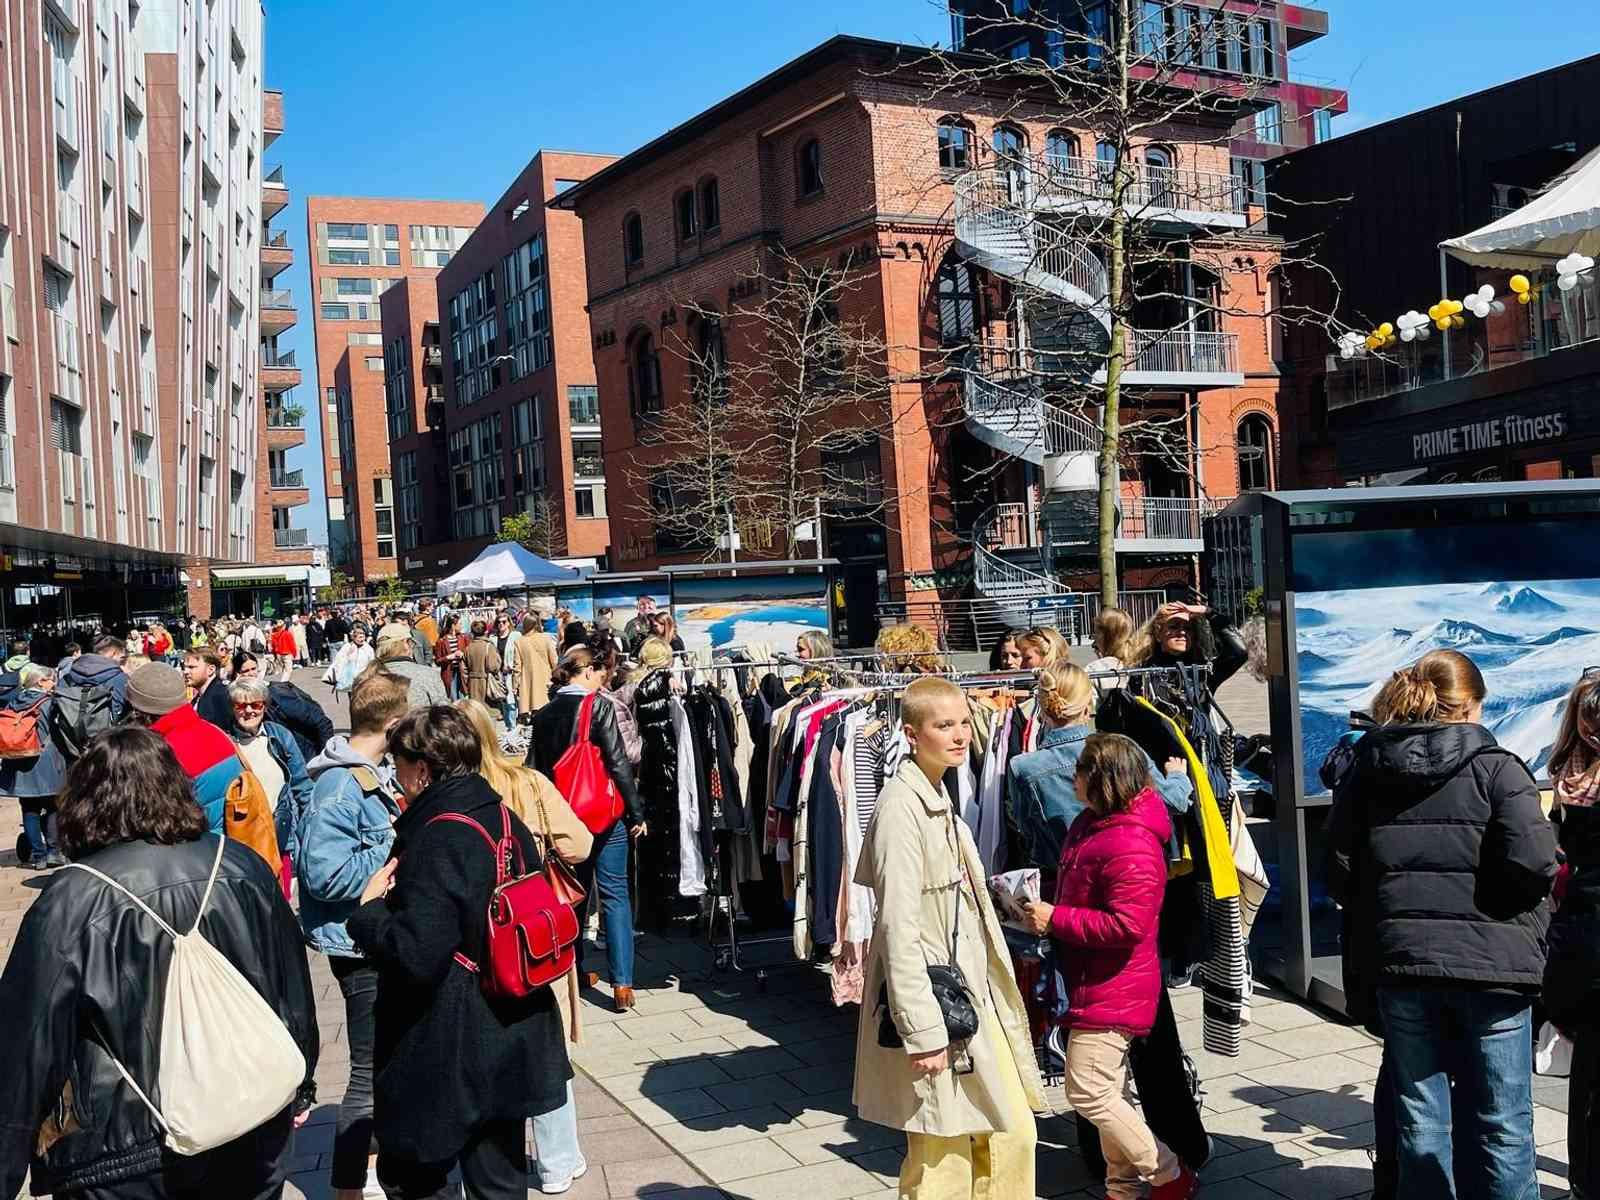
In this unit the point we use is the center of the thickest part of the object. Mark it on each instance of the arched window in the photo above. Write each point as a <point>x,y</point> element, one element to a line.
<point>711,357</point>
<point>633,239</point>
<point>808,165</point>
<point>1158,156</point>
<point>1060,148</point>
<point>710,206</point>
<point>683,206</point>
<point>1158,161</point>
<point>1010,143</point>
<point>1255,448</point>
<point>955,144</point>
<point>958,295</point>
<point>1105,164</point>
<point>644,375</point>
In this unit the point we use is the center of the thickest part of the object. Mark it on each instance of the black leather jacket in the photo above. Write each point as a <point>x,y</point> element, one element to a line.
<point>87,974</point>
<point>553,729</point>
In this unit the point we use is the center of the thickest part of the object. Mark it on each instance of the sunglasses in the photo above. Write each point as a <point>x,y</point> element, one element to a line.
<point>250,706</point>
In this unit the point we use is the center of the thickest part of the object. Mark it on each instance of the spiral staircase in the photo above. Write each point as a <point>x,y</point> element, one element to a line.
<point>1032,223</point>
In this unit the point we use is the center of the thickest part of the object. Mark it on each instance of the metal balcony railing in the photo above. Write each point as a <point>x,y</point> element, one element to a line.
<point>277,298</point>
<point>278,239</point>
<point>274,177</point>
<point>432,356</point>
<point>285,538</point>
<point>289,479</point>
<point>1065,180</point>
<point>1162,518</point>
<point>1183,351</point>
<point>281,358</point>
<point>588,466</point>
<point>277,418</point>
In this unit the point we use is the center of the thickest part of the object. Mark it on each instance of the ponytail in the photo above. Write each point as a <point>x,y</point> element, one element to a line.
<point>578,658</point>
<point>1442,685</point>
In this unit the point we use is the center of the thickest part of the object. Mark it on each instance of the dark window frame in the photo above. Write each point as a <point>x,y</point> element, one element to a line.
<point>808,174</point>
<point>632,239</point>
<point>686,215</point>
<point>953,156</point>
<point>708,195</point>
<point>644,374</point>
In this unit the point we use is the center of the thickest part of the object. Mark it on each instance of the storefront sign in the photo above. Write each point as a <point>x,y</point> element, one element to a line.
<point>253,581</point>
<point>1482,437</point>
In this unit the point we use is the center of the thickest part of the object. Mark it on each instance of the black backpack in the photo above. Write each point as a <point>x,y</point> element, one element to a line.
<point>81,711</point>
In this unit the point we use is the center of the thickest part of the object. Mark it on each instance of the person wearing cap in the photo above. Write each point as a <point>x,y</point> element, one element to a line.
<point>158,700</point>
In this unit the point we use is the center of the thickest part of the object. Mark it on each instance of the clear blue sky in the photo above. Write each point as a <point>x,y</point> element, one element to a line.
<point>450,100</point>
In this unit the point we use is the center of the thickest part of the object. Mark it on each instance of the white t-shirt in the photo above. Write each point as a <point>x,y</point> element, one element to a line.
<point>257,755</point>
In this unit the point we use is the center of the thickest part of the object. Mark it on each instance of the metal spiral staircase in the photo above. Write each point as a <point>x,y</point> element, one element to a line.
<point>1018,220</point>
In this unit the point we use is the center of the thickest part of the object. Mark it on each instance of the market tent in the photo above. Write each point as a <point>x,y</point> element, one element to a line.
<point>505,565</point>
<point>1564,219</point>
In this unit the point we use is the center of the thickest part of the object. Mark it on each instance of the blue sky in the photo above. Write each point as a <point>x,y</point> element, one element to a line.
<point>450,101</point>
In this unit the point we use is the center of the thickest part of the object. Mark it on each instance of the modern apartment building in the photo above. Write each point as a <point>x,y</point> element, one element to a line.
<point>359,248</point>
<point>413,387</point>
<point>973,482</point>
<point>130,216</point>
<point>516,423</point>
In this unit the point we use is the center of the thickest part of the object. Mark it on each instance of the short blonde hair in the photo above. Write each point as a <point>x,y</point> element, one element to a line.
<point>1065,693</point>
<point>1049,643</point>
<point>922,695</point>
<point>908,648</point>
<point>654,652</point>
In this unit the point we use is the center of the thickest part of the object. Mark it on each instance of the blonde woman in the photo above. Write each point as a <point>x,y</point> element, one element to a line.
<point>1113,630</point>
<point>908,648</point>
<point>967,1109</point>
<point>1041,646</point>
<point>550,819</point>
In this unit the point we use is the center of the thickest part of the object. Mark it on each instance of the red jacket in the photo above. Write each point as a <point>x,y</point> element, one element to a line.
<point>283,643</point>
<point>1108,905</point>
<point>207,756</point>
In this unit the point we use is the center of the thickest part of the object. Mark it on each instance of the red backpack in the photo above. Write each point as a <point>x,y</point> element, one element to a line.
<point>531,937</point>
<point>581,776</point>
<point>20,733</point>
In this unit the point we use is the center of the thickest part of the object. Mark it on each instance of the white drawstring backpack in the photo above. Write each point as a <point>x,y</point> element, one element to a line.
<point>228,1064</point>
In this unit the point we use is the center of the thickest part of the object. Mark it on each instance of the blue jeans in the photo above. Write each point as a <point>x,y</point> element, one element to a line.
<point>1475,1140</point>
<point>607,869</point>
<point>555,1137</point>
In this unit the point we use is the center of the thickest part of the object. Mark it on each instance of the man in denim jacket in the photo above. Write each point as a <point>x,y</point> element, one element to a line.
<point>345,836</point>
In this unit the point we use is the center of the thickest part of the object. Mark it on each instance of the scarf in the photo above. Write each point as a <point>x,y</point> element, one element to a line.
<point>1579,781</point>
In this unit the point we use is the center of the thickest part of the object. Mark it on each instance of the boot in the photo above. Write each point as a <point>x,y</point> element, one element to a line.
<point>622,997</point>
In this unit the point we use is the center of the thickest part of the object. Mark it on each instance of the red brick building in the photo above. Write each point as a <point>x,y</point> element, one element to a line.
<point>517,427</point>
<point>840,153</point>
<point>359,248</point>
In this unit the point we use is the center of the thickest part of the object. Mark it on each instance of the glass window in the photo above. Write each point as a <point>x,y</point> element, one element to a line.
<point>1322,124</point>
<point>346,232</point>
<point>710,206</point>
<point>1097,31</point>
<point>955,145</point>
<point>583,404</point>
<point>1060,148</point>
<point>1152,32</point>
<point>684,211</point>
<point>644,376</point>
<point>354,287</point>
<point>348,258</point>
<point>1263,61</point>
<point>336,312</point>
<point>1255,454</point>
<point>1010,144</point>
<point>391,233</point>
<point>958,302</point>
<point>1158,156</point>
<point>1019,50</point>
<point>441,258</point>
<point>583,501</point>
<point>1269,123</point>
<point>391,258</point>
<point>633,239</point>
<point>587,460</point>
<point>810,167</point>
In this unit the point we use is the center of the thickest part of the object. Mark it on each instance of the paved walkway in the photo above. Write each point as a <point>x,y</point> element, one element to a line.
<point>725,1086</point>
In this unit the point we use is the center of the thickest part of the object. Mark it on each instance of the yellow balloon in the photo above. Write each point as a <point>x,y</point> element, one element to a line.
<point>1519,284</point>
<point>1390,340</point>
<point>1443,323</point>
<point>1457,320</point>
<point>1434,313</point>
<point>1524,297</point>
<point>1385,329</point>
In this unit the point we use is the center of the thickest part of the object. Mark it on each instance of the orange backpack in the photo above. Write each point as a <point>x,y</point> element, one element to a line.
<point>20,732</point>
<point>247,817</point>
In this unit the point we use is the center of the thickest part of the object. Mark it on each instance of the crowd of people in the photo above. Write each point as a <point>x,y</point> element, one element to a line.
<point>1442,856</point>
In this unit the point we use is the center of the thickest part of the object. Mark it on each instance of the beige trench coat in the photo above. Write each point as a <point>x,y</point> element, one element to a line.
<point>480,661</point>
<point>532,659</point>
<point>911,862</point>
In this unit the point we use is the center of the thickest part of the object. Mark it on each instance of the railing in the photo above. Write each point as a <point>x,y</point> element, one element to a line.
<point>432,356</point>
<point>1068,180</point>
<point>584,411</point>
<point>285,538</point>
<point>276,298</point>
<point>277,418</point>
<point>289,479</point>
<point>280,358</point>
<point>1182,351</point>
<point>274,178</point>
<point>588,466</point>
<point>966,626</point>
<point>990,218</point>
<point>278,239</point>
<point>1163,518</point>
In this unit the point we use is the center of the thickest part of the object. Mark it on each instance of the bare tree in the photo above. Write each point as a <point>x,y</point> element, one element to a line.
<point>788,391</point>
<point>534,529</point>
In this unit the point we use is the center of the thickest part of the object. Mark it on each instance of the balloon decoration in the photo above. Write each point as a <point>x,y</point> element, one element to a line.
<point>1412,326</point>
<point>1569,268</point>
<point>1520,285</point>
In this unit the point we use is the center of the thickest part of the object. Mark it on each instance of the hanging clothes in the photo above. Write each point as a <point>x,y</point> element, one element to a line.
<point>691,859</point>
<point>989,830</point>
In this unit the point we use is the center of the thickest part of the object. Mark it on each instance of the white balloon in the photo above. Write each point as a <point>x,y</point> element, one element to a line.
<point>1567,282</point>
<point>1424,332</point>
<point>1345,352</point>
<point>1487,291</point>
<point>1497,308</point>
<point>1408,335</point>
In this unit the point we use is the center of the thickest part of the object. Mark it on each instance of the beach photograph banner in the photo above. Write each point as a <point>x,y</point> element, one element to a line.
<point>622,598</point>
<point>739,610</point>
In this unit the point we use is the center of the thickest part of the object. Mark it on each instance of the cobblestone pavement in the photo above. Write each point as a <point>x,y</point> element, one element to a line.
<point>736,1086</point>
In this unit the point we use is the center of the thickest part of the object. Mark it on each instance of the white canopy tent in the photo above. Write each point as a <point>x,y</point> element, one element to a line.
<point>505,566</point>
<point>1563,220</point>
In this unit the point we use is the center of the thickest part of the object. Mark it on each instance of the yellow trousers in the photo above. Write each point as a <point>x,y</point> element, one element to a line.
<point>995,1166</point>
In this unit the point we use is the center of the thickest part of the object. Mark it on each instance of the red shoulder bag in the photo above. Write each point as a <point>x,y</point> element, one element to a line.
<point>581,776</point>
<point>531,935</point>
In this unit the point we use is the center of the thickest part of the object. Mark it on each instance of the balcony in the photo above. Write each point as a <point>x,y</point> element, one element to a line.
<point>135,183</point>
<point>274,193</point>
<point>432,356</point>
<point>1085,186</point>
<point>271,116</point>
<point>277,310</point>
<point>1145,524</point>
<point>213,256</point>
<point>211,164</point>
<point>67,12</point>
<point>288,480</point>
<point>289,539</point>
<point>275,253</point>
<point>588,466</point>
<point>1182,358</point>
<point>433,407</point>
<point>279,373</point>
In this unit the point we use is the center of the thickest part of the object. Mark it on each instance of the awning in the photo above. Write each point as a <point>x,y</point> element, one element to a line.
<point>259,577</point>
<point>1563,220</point>
<point>504,566</point>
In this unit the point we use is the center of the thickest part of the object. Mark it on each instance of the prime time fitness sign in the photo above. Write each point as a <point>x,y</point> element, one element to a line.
<point>1493,433</point>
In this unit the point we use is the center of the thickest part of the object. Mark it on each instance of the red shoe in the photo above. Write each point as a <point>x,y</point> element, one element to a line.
<point>1183,1186</point>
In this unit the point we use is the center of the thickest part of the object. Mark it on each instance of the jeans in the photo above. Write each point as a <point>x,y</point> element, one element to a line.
<point>352,1139</point>
<point>1483,1044</point>
<point>555,1137</point>
<point>39,823</point>
<point>494,1166</point>
<point>607,869</point>
<point>508,706</point>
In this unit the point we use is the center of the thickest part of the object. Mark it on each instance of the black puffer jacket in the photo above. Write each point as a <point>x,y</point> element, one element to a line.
<point>1441,849</point>
<point>87,974</point>
<point>446,1058</point>
<point>658,792</point>
<point>553,728</point>
<point>1572,976</point>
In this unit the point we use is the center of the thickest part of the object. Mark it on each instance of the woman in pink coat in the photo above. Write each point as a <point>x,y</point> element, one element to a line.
<point>1108,905</point>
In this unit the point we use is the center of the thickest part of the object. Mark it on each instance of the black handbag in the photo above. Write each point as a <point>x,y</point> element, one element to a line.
<point>950,989</point>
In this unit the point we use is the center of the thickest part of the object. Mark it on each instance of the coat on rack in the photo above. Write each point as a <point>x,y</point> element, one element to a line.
<point>658,791</point>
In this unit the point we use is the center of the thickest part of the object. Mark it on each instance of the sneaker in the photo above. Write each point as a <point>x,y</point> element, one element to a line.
<point>55,859</point>
<point>373,1189</point>
<point>1181,1187</point>
<point>36,864</point>
<point>555,1187</point>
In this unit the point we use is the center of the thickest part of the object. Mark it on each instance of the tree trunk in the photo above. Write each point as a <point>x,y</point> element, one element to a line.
<point>1116,265</point>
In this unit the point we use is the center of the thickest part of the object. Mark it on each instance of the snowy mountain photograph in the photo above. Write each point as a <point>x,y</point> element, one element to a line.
<point>1530,639</point>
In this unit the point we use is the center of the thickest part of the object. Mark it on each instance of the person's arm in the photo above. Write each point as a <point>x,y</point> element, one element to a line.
<point>1128,911</point>
<point>39,991</point>
<point>491,660</point>
<point>334,866</point>
<point>1517,860</point>
<point>1344,836</point>
<point>416,938</point>
<point>1174,785</point>
<point>1228,652</point>
<point>895,868</point>
<point>294,770</point>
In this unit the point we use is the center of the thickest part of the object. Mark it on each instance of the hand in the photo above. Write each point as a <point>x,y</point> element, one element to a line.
<point>380,883</point>
<point>1176,766</point>
<point>1036,916</point>
<point>930,1064</point>
<point>300,1118</point>
<point>638,831</point>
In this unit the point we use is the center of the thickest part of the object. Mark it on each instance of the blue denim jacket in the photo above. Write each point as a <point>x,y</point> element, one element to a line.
<point>345,835</point>
<point>1044,797</point>
<point>291,802</point>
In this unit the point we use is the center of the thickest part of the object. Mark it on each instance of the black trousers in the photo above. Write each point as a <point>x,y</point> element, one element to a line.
<point>494,1166</point>
<point>1583,1111</point>
<point>252,1167</point>
<point>352,1139</point>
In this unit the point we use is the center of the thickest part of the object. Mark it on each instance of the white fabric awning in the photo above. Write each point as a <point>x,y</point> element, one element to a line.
<point>1565,219</point>
<point>504,566</point>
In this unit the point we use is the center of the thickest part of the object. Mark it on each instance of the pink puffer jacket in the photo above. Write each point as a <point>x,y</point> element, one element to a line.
<point>1108,903</point>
